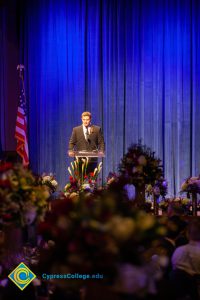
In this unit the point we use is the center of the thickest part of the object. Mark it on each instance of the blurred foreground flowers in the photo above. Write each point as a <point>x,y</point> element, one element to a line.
<point>94,233</point>
<point>21,197</point>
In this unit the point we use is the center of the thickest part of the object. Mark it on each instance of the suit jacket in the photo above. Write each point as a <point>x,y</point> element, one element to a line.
<point>95,140</point>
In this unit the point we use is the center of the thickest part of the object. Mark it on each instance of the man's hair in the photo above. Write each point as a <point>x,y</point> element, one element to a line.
<point>86,114</point>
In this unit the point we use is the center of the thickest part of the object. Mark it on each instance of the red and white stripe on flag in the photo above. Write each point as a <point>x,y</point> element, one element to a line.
<point>21,127</point>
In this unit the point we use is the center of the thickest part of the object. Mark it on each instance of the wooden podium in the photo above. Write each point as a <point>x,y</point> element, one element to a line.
<point>92,158</point>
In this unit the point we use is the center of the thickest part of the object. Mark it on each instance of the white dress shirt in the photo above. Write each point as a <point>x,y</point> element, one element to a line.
<point>187,258</point>
<point>85,131</point>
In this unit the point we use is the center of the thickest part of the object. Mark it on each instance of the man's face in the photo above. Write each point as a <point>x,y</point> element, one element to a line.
<point>86,121</point>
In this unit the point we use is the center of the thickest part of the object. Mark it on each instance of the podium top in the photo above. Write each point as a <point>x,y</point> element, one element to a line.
<point>86,153</point>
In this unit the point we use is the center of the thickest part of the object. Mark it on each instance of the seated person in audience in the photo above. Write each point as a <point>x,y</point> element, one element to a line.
<point>186,265</point>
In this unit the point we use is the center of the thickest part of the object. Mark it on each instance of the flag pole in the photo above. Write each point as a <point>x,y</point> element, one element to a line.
<point>20,68</point>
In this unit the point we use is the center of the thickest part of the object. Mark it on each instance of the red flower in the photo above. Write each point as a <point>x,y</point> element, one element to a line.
<point>71,179</point>
<point>92,174</point>
<point>7,217</point>
<point>4,183</point>
<point>5,167</point>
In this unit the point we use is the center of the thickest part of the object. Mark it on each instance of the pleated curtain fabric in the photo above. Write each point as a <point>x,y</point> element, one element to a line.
<point>134,64</point>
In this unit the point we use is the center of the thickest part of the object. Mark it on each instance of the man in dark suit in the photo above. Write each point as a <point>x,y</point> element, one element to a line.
<point>87,137</point>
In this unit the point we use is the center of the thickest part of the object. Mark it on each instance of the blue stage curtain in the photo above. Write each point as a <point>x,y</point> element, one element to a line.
<point>134,64</point>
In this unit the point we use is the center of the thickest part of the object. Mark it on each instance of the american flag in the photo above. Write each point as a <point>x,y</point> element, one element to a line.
<point>21,125</point>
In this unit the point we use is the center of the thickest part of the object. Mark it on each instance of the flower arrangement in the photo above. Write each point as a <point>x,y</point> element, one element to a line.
<point>21,197</point>
<point>120,185</point>
<point>49,180</point>
<point>180,204</point>
<point>191,185</point>
<point>80,179</point>
<point>158,189</point>
<point>140,166</point>
<point>93,233</point>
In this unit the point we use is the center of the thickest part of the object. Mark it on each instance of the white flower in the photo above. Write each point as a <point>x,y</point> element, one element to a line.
<point>46,178</point>
<point>68,185</point>
<point>86,186</point>
<point>54,183</point>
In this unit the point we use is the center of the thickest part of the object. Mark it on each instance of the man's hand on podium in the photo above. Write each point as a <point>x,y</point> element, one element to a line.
<point>71,153</point>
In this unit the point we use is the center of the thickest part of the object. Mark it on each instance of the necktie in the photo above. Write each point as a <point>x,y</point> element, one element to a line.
<point>87,134</point>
